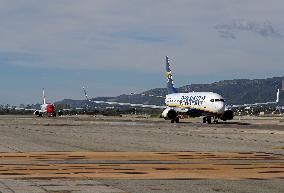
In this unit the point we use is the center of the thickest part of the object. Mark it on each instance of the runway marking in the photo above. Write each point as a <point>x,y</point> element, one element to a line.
<point>142,165</point>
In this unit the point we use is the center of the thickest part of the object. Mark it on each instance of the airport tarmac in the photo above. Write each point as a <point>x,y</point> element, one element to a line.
<point>140,155</point>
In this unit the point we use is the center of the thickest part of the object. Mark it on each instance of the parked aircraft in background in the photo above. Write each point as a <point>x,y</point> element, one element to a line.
<point>47,108</point>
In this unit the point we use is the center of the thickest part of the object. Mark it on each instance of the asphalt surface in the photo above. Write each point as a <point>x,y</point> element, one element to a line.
<point>27,134</point>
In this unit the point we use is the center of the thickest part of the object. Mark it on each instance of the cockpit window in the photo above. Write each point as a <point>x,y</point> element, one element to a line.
<point>217,100</point>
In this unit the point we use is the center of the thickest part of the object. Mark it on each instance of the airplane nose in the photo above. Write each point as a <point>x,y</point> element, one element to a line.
<point>221,107</point>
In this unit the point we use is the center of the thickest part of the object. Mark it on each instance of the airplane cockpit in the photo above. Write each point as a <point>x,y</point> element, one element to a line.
<point>217,100</point>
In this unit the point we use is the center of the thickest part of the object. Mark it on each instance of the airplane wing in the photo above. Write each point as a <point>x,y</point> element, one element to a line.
<point>124,104</point>
<point>257,104</point>
<point>23,109</point>
<point>30,109</point>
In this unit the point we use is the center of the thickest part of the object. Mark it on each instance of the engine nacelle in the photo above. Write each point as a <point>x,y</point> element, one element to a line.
<point>169,114</point>
<point>36,112</point>
<point>227,115</point>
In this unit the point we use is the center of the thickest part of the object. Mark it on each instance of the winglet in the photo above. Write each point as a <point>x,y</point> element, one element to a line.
<point>277,98</point>
<point>170,83</point>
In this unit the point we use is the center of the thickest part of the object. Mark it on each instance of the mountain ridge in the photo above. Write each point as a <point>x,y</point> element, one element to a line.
<point>236,91</point>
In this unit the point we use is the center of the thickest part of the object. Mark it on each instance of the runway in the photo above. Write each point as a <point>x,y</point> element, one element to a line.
<point>139,155</point>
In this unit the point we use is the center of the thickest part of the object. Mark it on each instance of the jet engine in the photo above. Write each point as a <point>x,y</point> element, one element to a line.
<point>169,114</point>
<point>227,115</point>
<point>36,112</point>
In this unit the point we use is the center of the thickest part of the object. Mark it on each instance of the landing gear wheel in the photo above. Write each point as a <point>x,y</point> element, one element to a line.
<point>177,120</point>
<point>207,120</point>
<point>172,121</point>
<point>54,114</point>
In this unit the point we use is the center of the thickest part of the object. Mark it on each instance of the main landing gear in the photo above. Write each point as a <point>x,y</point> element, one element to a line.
<point>175,120</point>
<point>207,120</point>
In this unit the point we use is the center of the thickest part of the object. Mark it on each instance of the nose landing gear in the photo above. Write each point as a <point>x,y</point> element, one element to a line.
<point>175,120</point>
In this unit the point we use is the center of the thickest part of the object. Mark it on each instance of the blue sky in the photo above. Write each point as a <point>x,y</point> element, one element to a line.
<point>119,46</point>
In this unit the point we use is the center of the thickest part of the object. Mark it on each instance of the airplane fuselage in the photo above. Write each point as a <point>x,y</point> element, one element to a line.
<point>205,103</point>
<point>46,108</point>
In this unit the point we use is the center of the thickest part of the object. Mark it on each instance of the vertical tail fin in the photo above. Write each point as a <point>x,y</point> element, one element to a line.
<point>170,83</point>
<point>87,98</point>
<point>85,93</point>
<point>43,97</point>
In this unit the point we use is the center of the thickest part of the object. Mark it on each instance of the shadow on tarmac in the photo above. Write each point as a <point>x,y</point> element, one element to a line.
<point>232,123</point>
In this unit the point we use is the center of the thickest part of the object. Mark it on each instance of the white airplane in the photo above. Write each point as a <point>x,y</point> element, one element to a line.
<point>194,104</point>
<point>47,108</point>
